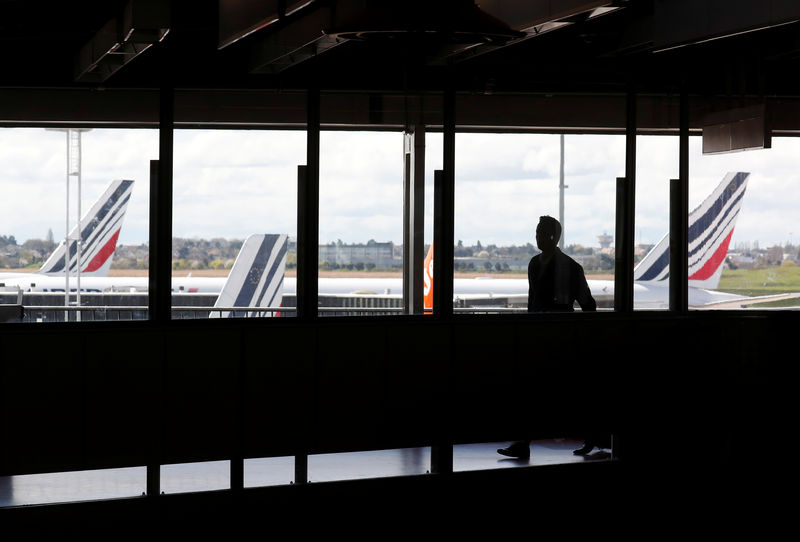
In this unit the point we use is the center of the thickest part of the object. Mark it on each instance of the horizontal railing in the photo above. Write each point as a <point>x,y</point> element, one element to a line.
<point>57,313</point>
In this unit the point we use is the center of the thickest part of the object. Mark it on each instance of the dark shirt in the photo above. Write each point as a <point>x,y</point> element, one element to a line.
<point>555,286</point>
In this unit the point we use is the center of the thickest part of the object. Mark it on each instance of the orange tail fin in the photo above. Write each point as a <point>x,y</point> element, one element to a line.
<point>428,278</point>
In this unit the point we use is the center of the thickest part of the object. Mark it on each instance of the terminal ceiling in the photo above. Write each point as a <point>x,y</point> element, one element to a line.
<point>390,57</point>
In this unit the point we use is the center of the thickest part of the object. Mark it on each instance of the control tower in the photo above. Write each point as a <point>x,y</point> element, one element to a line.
<point>605,240</point>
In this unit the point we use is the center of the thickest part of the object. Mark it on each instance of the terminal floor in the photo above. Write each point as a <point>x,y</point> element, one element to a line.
<point>194,477</point>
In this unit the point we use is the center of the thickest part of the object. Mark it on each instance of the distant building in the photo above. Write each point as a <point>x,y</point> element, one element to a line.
<point>774,254</point>
<point>736,260</point>
<point>605,240</point>
<point>372,252</point>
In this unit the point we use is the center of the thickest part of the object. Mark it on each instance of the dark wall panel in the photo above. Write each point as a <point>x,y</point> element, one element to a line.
<point>192,391</point>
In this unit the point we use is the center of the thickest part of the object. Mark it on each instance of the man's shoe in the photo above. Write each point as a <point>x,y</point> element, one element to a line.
<point>519,450</point>
<point>584,450</point>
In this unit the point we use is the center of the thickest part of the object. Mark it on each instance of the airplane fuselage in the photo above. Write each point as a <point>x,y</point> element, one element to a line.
<point>647,295</point>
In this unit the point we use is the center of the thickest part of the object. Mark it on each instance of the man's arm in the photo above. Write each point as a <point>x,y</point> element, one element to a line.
<point>531,274</point>
<point>583,294</point>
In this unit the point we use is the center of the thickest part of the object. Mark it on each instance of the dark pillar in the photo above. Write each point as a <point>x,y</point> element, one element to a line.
<point>308,216</point>
<point>160,273</point>
<point>444,216</point>
<point>443,226</point>
<point>679,219</point>
<point>626,200</point>
<point>308,243</point>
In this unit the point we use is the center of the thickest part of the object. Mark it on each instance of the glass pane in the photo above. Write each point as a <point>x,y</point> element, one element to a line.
<point>72,486</point>
<point>235,221</point>
<point>504,184</point>
<point>744,254</point>
<point>656,164</point>
<point>52,177</point>
<point>361,223</point>
<point>192,477</point>
<point>434,142</point>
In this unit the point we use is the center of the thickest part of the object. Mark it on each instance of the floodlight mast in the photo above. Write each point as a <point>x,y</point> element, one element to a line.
<point>561,195</point>
<point>73,170</point>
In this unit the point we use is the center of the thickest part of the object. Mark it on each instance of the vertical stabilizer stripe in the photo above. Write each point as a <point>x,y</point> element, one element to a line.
<point>273,280</point>
<point>715,261</point>
<point>251,282</point>
<point>710,229</point>
<point>103,254</point>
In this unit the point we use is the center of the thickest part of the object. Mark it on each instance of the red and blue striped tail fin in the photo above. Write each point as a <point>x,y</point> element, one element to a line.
<point>710,230</point>
<point>99,231</point>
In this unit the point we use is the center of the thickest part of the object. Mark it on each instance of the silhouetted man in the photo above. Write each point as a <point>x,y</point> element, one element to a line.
<point>555,283</point>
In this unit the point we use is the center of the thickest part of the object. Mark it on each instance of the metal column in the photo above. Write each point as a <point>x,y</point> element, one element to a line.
<point>561,187</point>
<point>308,241</point>
<point>413,219</point>
<point>679,219</point>
<point>444,216</point>
<point>626,200</point>
<point>66,240</point>
<point>160,273</point>
<point>308,216</point>
<point>443,227</point>
<point>75,151</point>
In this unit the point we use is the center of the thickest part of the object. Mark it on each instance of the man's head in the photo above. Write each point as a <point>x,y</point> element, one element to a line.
<point>548,232</point>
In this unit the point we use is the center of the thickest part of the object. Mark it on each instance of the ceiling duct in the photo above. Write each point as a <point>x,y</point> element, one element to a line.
<point>141,24</point>
<point>532,19</point>
<point>446,21</point>
<point>439,31</point>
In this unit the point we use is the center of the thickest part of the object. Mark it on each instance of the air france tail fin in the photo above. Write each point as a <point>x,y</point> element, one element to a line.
<point>710,231</point>
<point>100,229</point>
<point>256,279</point>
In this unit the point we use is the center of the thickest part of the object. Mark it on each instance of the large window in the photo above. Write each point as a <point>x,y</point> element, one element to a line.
<point>504,183</point>
<point>361,223</point>
<point>745,254</point>
<point>235,222</point>
<point>742,212</point>
<point>107,171</point>
<point>656,165</point>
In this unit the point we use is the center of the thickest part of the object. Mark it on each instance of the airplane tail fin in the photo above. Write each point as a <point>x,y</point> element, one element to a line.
<point>256,279</point>
<point>710,231</point>
<point>427,277</point>
<point>100,228</point>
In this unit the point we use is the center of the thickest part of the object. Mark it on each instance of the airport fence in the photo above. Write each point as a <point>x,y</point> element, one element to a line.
<point>128,306</point>
<point>55,313</point>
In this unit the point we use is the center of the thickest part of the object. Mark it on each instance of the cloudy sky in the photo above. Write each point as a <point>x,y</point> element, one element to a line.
<point>233,183</point>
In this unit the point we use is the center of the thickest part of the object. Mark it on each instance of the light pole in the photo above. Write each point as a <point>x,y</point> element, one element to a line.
<point>561,187</point>
<point>73,170</point>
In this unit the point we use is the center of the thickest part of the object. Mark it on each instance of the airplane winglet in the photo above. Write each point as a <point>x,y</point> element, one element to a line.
<point>256,279</point>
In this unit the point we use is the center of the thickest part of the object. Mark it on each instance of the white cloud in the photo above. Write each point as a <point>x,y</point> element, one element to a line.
<point>233,183</point>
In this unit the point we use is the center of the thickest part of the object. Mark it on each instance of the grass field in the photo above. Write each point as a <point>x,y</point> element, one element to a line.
<point>768,281</point>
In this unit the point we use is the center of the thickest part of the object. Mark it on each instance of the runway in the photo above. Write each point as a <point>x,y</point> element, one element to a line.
<point>77,486</point>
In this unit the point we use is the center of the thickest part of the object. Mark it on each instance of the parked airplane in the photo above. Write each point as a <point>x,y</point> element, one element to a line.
<point>99,231</point>
<point>710,229</point>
